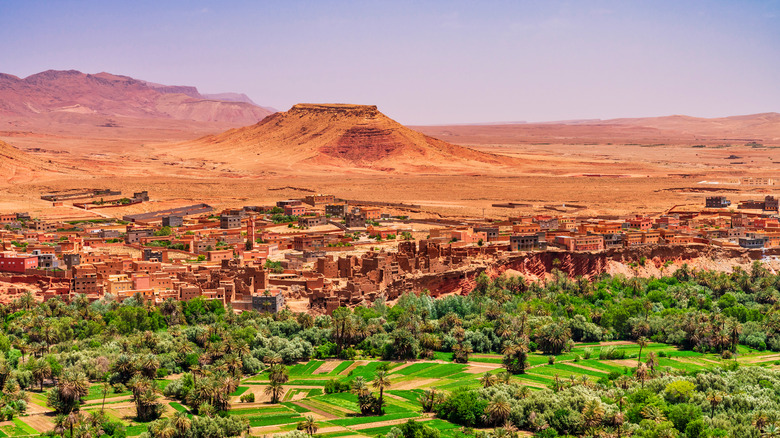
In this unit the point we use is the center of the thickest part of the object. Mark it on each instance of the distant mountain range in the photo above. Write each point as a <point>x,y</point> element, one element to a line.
<point>75,98</point>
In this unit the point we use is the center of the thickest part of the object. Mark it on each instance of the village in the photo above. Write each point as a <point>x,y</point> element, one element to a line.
<point>317,253</point>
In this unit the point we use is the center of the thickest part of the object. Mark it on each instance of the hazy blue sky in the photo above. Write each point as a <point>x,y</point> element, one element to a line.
<point>424,62</point>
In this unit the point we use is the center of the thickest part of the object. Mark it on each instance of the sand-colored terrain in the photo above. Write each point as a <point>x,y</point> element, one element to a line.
<point>307,150</point>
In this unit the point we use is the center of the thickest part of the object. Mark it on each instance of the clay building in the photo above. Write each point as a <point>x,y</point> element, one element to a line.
<point>12,262</point>
<point>771,203</point>
<point>294,210</point>
<point>546,222</point>
<point>268,303</point>
<point>172,221</point>
<point>71,260</point>
<point>308,242</point>
<point>355,220</point>
<point>85,285</point>
<point>286,202</point>
<point>315,200</point>
<point>490,232</point>
<point>229,221</point>
<point>336,210</point>
<point>43,227</point>
<point>108,234</point>
<point>751,242</point>
<point>717,202</point>
<point>312,221</point>
<point>527,242</point>
<point>134,235</point>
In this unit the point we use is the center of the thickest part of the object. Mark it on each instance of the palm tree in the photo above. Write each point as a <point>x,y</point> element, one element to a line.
<point>653,413</point>
<point>381,381</point>
<point>498,410</point>
<point>430,398</point>
<point>41,370</point>
<point>642,344</point>
<point>460,352</point>
<point>278,373</point>
<point>618,421</point>
<point>652,361</point>
<point>359,386</point>
<point>71,387</point>
<point>71,420</point>
<point>487,380</point>
<point>149,365</point>
<point>309,425</point>
<point>276,390</point>
<point>760,420</point>
<point>60,424</point>
<point>715,398</point>
<point>592,414</point>
<point>105,388</point>
<point>504,377</point>
<point>641,374</point>
<point>771,431</point>
<point>181,423</point>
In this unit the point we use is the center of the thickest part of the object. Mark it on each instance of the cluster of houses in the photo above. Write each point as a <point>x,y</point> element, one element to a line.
<point>323,251</point>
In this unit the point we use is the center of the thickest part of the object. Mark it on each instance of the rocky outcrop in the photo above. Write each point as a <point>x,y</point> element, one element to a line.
<point>324,137</point>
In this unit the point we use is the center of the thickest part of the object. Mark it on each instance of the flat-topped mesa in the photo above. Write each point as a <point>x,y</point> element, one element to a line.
<point>341,109</point>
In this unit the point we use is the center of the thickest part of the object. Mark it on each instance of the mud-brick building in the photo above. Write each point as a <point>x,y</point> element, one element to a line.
<point>717,202</point>
<point>528,242</point>
<point>319,199</point>
<point>268,303</point>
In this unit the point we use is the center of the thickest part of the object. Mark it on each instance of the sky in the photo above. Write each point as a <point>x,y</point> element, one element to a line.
<point>424,62</point>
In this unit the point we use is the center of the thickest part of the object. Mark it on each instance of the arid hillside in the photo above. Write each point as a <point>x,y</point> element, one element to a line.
<point>71,102</point>
<point>17,166</point>
<point>350,138</point>
<point>670,130</point>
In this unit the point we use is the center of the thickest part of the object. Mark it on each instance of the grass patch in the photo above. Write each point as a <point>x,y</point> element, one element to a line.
<point>178,407</point>
<point>271,420</point>
<point>373,419</point>
<point>341,367</point>
<point>96,393</point>
<point>136,429</point>
<point>239,391</point>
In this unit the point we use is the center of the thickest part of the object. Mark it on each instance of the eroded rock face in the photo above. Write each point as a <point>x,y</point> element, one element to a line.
<point>364,143</point>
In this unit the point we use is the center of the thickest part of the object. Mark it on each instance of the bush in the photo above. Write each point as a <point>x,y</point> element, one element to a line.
<point>551,360</point>
<point>333,386</point>
<point>679,391</point>
<point>681,415</point>
<point>462,407</point>
<point>611,353</point>
<point>249,397</point>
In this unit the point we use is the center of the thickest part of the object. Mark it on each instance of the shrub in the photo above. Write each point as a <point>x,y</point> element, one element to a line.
<point>679,391</point>
<point>462,407</point>
<point>333,386</point>
<point>249,397</point>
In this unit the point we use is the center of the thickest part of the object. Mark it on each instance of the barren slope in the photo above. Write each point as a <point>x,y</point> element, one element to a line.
<point>761,128</point>
<point>18,166</point>
<point>348,137</point>
<point>57,101</point>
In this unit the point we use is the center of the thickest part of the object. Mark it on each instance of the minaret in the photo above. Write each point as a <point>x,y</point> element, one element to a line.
<point>250,233</point>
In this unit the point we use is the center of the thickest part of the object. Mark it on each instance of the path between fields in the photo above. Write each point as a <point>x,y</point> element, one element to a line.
<point>425,417</point>
<point>324,414</point>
